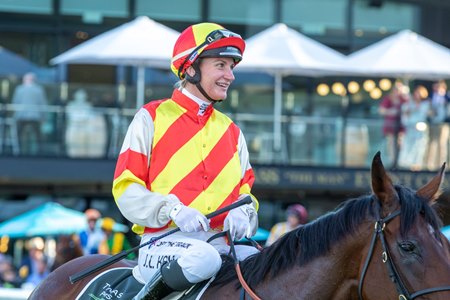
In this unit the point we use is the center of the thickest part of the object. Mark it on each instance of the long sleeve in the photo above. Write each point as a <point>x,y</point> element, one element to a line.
<point>135,201</point>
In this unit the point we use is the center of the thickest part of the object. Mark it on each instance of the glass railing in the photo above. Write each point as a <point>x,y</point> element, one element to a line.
<point>98,132</point>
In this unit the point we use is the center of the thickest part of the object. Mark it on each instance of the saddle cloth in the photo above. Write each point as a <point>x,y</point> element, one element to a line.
<point>119,283</point>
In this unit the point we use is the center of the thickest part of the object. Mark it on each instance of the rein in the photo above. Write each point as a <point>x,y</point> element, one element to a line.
<point>403,293</point>
<point>237,267</point>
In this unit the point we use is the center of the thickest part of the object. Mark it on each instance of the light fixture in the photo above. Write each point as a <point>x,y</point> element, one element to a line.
<point>385,84</point>
<point>376,93</point>
<point>369,85</point>
<point>323,89</point>
<point>339,89</point>
<point>353,87</point>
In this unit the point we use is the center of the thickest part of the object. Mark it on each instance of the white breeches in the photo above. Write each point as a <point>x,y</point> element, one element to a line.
<point>199,260</point>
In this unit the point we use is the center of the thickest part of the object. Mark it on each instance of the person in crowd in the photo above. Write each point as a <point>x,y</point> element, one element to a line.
<point>296,215</point>
<point>91,238</point>
<point>414,119</point>
<point>86,129</point>
<point>34,265</point>
<point>113,242</point>
<point>393,130</point>
<point>41,272</point>
<point>8,275</point>
<point>182,159</point>
<point>29,114</point>
<point>439,129</point>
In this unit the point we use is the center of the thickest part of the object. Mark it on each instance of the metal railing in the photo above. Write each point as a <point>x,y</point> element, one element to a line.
<point>99,132</point>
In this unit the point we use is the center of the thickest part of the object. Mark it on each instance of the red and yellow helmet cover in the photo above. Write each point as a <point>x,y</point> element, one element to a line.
<point>192,38</point>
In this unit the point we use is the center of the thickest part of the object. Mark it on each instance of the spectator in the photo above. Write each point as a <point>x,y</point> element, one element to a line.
<point>439,129</point>
<point>30,114</point>
<point>34,265</point>
<point>40,273</point>
<point>8,274</point>
<point>86,129</point>
<point>414,118</point>
<point>393,130</point>
<point>296,215</point>
<point>114,242</point>
<point>91,238</point>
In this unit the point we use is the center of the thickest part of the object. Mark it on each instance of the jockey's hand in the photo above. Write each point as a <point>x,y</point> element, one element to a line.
<point>238,222</point>
<point>188,219</point>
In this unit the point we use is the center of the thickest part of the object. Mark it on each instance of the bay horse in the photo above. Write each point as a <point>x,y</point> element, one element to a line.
<point>384,245</point>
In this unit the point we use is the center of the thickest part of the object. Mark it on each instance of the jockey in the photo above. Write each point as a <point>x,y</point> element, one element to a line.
<point>296,215</point>
<point>182,159</point>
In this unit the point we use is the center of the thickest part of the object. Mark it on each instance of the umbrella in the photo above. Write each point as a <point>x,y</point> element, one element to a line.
<point>280,51</point>
<point>47,219</point>
<point>140,43</point>
<point>13,64</point>
<point>403,55</point>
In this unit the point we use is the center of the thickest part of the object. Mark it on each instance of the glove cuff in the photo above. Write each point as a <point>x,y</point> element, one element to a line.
<point>175,211</point>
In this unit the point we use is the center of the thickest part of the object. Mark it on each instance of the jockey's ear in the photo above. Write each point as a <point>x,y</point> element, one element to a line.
<point>432,190</point>
<point>382,187</point>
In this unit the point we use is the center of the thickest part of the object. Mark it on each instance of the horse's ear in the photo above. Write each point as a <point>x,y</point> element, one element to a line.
<point>432,190</point>
<point>382,186</point>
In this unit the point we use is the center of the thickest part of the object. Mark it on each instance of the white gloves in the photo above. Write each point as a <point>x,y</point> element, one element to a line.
<point>238,222</point>
<point>188,219</point>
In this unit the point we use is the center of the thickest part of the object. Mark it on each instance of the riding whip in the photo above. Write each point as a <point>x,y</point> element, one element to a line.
<point>109,261</point>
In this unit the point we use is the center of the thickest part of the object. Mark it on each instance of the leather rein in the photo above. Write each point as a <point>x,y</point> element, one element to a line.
<point>403,293</point>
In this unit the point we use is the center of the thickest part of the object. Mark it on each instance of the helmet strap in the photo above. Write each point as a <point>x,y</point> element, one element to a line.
<point>196,80</point>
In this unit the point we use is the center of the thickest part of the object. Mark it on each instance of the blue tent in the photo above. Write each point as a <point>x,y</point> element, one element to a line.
<point>45,220</point>
<point>48,219</point>
<point>446,231</point>
<point>13,64</point>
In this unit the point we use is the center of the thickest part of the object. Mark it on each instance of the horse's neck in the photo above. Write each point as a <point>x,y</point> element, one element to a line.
<point>338,270</point>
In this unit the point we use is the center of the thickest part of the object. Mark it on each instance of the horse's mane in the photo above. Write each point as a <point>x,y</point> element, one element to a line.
<point>316,238</point>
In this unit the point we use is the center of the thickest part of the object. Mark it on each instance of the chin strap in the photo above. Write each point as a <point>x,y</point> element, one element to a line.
<point>200,88</point>
<point>196,80</point>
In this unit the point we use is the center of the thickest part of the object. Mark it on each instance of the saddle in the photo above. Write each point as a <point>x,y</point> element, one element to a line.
<point>119,283</point>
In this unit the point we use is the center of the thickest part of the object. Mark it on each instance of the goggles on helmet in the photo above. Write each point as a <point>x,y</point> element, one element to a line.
<point>210,38</point>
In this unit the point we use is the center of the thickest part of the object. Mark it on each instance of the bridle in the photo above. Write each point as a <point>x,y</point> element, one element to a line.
<point>403,293</point>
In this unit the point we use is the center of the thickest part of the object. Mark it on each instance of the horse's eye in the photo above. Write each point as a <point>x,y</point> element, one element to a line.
<point>407,246</point>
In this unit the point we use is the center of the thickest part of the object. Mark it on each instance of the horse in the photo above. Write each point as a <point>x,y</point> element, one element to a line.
<point>68,247</point>
<point>383,245</point>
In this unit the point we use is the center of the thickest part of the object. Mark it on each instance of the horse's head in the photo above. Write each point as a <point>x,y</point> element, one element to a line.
<point>408,249</point>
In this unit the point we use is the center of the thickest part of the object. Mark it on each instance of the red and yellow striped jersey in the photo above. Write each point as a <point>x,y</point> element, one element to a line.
<point>170,149</point>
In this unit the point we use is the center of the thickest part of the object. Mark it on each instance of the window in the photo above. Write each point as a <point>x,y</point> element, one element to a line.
<point>27,6</point>
<point>181,10</point>
<point>250,12</point>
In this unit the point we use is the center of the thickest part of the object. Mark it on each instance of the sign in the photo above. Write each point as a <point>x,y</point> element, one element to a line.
<point>332,179</point>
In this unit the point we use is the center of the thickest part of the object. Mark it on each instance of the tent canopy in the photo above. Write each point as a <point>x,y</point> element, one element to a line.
<point>280,49</point>
<point>403,55</point>
<point>46,220</point>
<point>141,42</point>
<point>446,231</point>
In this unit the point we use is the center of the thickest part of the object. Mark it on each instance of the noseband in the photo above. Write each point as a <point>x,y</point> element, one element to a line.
<point>403,293</point>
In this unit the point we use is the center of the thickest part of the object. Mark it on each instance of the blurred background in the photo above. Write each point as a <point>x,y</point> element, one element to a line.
<point>312,129</point>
